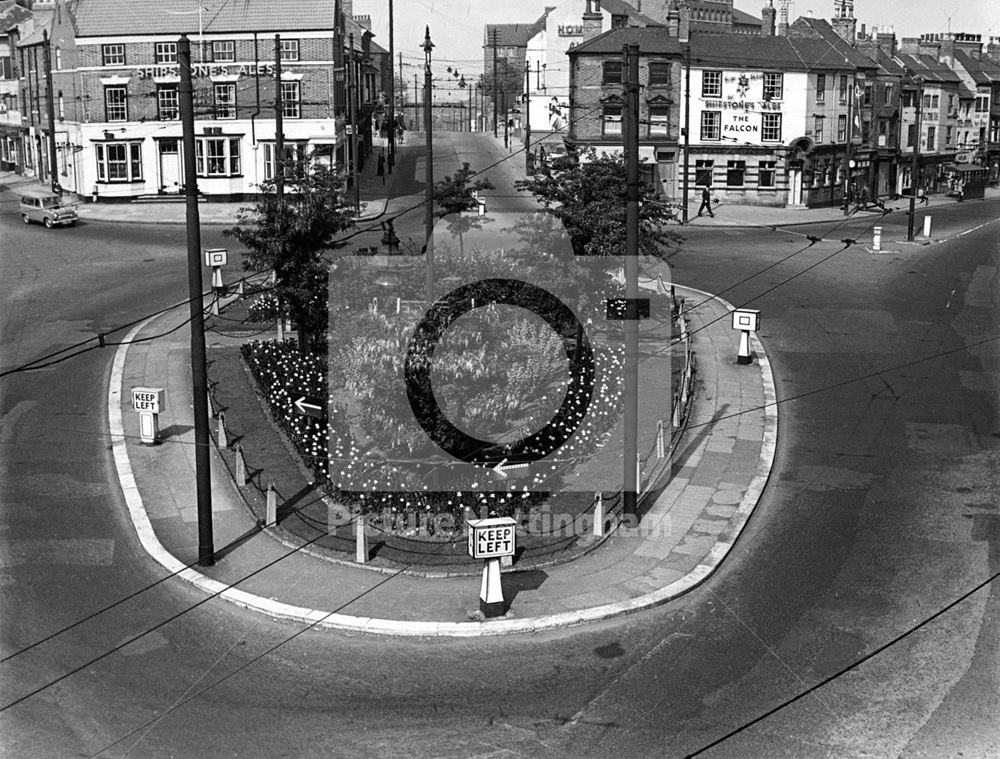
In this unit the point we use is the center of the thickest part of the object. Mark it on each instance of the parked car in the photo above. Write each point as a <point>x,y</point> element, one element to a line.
<point>46,208</point>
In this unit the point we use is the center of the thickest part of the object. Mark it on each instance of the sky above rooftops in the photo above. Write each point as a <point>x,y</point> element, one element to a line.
<point>457,25</point>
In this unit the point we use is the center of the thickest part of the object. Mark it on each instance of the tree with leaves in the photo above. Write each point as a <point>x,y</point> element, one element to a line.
<point>289,233</point>
<point>588,196</point>
<point>455,194</point>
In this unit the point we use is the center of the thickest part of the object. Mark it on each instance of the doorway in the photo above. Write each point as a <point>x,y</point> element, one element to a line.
<point>795,186</point>
<point>170,166</point>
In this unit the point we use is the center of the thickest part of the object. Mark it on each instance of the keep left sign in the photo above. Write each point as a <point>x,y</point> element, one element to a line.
<point>149,399</point>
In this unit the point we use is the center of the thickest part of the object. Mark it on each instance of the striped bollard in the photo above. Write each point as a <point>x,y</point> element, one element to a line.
<point>659,439</point>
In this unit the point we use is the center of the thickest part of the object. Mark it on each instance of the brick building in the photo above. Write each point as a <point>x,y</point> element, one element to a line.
<point>115,81</point>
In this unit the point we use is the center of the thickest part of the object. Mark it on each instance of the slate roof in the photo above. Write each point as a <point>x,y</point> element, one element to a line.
<point>982,70</point>
<point>737,51</point>
<point>43,23</point>
<point>11,15</point>
<point>824,31</point>
<point>745,19</point>
<point>100,18</point>
<point>650,39</point>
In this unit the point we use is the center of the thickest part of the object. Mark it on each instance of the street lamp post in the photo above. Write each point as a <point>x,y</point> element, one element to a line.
<point>429,160</point>
<point>915,164</point>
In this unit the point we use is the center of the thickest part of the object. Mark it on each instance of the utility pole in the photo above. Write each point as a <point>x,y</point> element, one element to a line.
<point>687,133</point>
<point>851,105</point>
<point>915,165</point>
<point>494,39</point>
<point>528,168</point>
<point>429,161</point>
<point>352,89</point>
<point>630,449</point>
<point>279,124</point>
<point>392,98</point>
<point>199,371</point>
<point>50,109</point>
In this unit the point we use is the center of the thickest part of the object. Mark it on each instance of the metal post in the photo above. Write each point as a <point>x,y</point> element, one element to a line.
<point>851,105</point>
<point>915,165</point>
<point>50,112</point>
<point>352,88</point>
<point>279,124</point>
<point>392,98</point>
<point>494,40</point>
<point>199,371</point>
<point>527,119</point>
<point>630,486</point>
<point>687,132</point>
<point>429,180</point>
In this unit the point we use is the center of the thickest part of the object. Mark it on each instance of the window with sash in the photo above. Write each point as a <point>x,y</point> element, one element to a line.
<point>225,100</point>
<point>711,84</point>
<point>217,156</point>
<point>167,104</point>
<point>611,120</point>
<point>166,52</point>
<point>711,125</point>
<point>290,100</point>
<point>115,104</point>
<point>118,161</point>
<point>113,55</point>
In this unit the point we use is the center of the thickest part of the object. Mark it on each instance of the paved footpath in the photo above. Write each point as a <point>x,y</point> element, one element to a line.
<point>719,470</point>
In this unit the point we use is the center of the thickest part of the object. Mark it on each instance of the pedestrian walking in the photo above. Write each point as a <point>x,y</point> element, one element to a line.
<point>380,166</point>
<point>706,201</point>
<point>960,189</point>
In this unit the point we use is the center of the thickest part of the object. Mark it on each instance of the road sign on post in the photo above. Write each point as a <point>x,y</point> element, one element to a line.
<point>148,401</point>
<point>491,539</point>
<point>746,320</point>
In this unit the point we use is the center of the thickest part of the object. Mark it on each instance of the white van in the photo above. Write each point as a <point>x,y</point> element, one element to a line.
<point>46,208</point>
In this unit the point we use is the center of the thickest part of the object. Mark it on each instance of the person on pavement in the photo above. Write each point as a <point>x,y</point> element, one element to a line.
<point>706,201</point>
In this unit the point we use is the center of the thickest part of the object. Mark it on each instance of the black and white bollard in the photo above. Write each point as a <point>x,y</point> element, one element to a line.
<point>746,320</point>
<point>491,539</point>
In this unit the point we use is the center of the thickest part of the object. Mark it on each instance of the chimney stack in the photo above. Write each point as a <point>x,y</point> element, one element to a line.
<point>684,25</point>
<point>767,15</point>
<point>592,20</point>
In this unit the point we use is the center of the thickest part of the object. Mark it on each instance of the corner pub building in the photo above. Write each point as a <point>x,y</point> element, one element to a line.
<point>116,83</point>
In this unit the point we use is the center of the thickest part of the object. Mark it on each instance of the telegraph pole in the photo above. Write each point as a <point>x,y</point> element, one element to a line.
<point>279,124</point>
<point>848,169</point>
<point>630,451</point>
<point>915,165</point>
<point>392,98</point>
<point>429,161</point>
<point>687,133</point>
<point>494,40</point>
<point>199,372</point>
<point>527,120</point>
<point>50,112</point>
<point>352,89</point>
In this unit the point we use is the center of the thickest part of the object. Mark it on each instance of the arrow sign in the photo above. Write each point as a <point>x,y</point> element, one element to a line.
<point>309,406</point>
<point>504,470</point>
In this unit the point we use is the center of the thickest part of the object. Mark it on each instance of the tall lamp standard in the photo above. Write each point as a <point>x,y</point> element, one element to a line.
<point>429,160</point>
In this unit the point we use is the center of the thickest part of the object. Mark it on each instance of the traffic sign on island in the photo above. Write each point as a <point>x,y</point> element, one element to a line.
<point>491,538</point>
<point>148,399</point>
<point>309,406</point>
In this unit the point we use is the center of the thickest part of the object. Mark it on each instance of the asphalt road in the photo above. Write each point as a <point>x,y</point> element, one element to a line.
<point>881,511</point>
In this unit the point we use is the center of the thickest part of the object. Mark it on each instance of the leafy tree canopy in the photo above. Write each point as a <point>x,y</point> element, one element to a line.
<point>290,234</point>
<point>454,193</point>
<point>588,196</point>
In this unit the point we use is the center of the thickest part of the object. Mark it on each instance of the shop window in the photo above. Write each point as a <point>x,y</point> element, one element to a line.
<point>118,161</point>
<point>703,173</point>
<point>735,173</point>
<point>767,173</point>
<point>217,156</point>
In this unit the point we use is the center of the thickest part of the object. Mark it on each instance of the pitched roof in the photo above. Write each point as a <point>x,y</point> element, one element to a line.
<point>650,39</point>
<point>745,19</point>
<point>43,23</point>
<point>99,18</point>
<point>621,8</point>
<point>928,68</point>
<point>788,53</point>
<point>823,30</point>
<point>11,15</point>
<point>982,70</point>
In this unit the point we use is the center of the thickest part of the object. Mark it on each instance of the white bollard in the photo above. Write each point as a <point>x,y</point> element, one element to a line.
<point>222,430</point>
<point>241,466</point>
<point>927,226</point>
<point>598,516</point>
<point>659,439</point>
<point>877,239</point>
<point>271,510</point>
<point>360,540</point>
